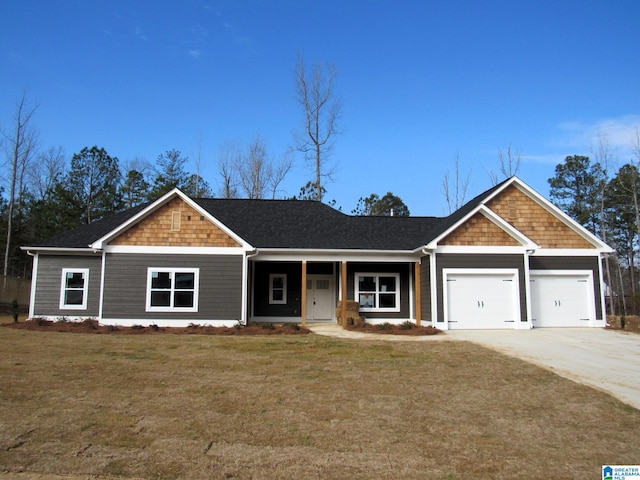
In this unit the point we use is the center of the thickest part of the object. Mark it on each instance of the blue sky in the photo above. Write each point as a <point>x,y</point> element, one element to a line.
<point>421,83</point>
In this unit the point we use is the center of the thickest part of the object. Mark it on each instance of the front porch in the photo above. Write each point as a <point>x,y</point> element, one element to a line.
<point>386,291</point>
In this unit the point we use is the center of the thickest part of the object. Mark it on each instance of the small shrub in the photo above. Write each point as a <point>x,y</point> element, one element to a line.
<point>155,327</point>
<point>294,326</point>
<point>137,327</point>
<point>384,326</point>
<point>268,326</point>
<point>90,324</point>
<point>407,325</point>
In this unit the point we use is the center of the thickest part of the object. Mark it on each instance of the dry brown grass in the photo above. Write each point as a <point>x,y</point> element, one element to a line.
<point>295,407</point>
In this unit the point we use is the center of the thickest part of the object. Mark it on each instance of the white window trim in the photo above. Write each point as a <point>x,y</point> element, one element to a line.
<point>356,284</point>
<point>85,288</point>
<point>173,271</point>
<point>273,276</point>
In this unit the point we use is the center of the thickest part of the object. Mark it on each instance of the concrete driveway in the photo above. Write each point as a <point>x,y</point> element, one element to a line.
<point>605,359</point>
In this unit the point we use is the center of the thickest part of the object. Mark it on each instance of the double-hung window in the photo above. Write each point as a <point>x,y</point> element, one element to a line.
<point>75,284</point>
<point>378,292</point>
<point>277,288</point>
<point>172,289</point>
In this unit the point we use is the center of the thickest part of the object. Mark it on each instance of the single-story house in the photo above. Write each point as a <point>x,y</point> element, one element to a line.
<point>507,259</point>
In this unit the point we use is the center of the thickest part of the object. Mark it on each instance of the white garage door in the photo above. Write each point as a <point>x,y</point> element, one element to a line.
<point>481,299</point>
<point>562,299</point>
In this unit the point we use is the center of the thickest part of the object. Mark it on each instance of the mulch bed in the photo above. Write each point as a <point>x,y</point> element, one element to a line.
<point>92,326</point>
<point>390,329</point>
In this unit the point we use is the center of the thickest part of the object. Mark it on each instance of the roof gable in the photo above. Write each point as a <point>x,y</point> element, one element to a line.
<point>527,215</point>
<point>479,230</point>
<point>174,224</point>
<point>537,222</point>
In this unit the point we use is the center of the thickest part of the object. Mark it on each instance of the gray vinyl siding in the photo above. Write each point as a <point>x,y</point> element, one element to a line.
<point>457,260</point>
<point>220,288</point>
<point>425,289</point>
<point>573,263</point>
<point>48,282</point>
<point>401,268</point>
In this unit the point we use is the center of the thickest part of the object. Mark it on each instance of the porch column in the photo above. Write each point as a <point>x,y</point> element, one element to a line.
<point>343,314</point>
<point>303,294</point>
<point>418,282</point>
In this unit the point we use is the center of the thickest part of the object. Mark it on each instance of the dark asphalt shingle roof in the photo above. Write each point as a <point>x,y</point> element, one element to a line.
<point>296,224</point>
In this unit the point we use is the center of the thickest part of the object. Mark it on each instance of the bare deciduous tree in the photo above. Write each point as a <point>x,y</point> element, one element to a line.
<point>198,181</point>
<point>43,174</point>
<point>509,165</point>
<point>455,189</point>
<point>229,155</point>
<point>20,145</point>
<point>321,112</point>
<point>258,174</point>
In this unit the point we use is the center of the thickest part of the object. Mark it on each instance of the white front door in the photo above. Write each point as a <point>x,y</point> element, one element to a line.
<point>320,302</point>
<point>562,299</point>
<point>481,299</point>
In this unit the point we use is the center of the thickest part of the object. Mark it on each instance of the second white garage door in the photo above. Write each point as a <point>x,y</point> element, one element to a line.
<point>481,298</point>
<point>562,299</point>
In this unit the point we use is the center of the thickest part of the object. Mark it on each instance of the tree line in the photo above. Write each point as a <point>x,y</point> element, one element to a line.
<point>603,197</point>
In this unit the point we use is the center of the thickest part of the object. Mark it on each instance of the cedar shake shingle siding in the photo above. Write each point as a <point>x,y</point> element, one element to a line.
<point>534,221</point>
<point>175,224</point>
<point>479,230</point>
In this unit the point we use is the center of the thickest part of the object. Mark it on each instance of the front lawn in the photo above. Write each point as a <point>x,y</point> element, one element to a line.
<point>296,407</point>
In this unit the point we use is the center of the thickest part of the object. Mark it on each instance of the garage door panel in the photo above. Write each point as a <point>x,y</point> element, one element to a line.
<point>561,300</point>
<point>481,300</point>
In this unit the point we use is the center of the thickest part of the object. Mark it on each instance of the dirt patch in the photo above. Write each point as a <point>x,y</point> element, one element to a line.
<point>92,326</point>
<point>406,328</point>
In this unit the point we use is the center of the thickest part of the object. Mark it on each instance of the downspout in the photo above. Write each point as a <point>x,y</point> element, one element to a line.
<point>603,303</point>
<point>245,285</point>
<point>34,276</point>
<point>527,287</point>
<point>102,277</point>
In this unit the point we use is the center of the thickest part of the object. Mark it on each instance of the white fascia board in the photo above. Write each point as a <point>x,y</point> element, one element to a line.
<point>485,250</point>
<point>60,250</point>
<point>100,243</point>
<point>175,250</point>
<point>568,252</point>
<point>268,254</point>
<point>563,217</point>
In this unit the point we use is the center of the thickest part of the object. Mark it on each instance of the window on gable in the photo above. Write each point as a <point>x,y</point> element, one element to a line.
<point>75,284</point>
<point>378,292</point>
<point>277,288</point>
<point>172,289</point>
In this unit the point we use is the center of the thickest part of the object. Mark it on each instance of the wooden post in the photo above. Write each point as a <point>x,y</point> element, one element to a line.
<point>303,295</point>
<point>343,319</point>
<point>418,282</point>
